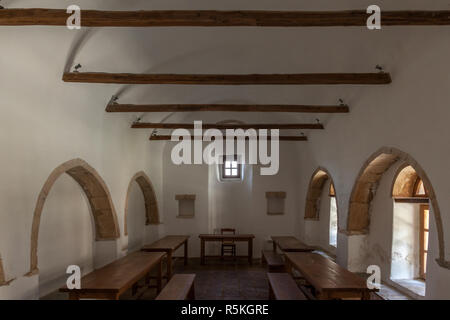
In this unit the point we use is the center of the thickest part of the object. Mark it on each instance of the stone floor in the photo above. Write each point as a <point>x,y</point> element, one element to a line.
<point>228,280</point>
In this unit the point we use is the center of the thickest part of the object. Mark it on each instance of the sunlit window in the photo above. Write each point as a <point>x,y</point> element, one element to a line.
<point>424,226</point>
<point>333,217</point>
<point>231,168</point>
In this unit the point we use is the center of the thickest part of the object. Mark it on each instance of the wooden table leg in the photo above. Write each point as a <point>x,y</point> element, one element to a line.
<point>186,253</point>
<point>74,296</point>
<point>134,289</point>
<point>202,252</point>
<point>250,251</point>
<point>288,265</point>
<point>322,296</point>
<point>169,265</point>
<point>159,277</point>
<point>365,295</point>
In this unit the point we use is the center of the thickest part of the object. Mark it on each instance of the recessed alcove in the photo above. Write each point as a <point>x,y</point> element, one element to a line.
<point>186,205</point>
<point>275,202</point>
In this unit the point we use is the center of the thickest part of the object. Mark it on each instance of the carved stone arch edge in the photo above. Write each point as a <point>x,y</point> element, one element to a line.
<point>314,193</point>
<point>150,200</point>
<point>100,202</point>
<point>364,190</point>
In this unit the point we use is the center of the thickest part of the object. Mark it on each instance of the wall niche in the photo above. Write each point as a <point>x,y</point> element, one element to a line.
<point>275,202</point>
<point>186,205</point>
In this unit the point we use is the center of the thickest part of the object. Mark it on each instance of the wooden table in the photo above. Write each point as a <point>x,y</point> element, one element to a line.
<point>169,244</point>
<point>226,237</point>
<point>329,280</point>
<point>112,280</point>
<point>290,244</point>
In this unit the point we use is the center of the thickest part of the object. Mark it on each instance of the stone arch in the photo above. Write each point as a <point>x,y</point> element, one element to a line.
<point>405,181</point>
<point>151,203</point>
<point>316,185</point>
<point>102,208</point>
<point>2,273</point>
<point>365,187</point>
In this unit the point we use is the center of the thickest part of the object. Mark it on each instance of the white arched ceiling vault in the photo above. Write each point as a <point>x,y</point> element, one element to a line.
<point>227,50</point>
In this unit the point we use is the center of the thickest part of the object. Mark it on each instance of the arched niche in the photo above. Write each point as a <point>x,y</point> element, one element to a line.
<point>151,203</point>
<point>365,188</point>
<point>97,193</point>
<point>315,189</point>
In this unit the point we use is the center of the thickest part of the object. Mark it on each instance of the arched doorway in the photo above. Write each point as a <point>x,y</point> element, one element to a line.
<point>99,198</point>
<point>365,188</point>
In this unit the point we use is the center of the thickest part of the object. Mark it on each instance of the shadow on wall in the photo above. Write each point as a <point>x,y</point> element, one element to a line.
<point>97,193</point>
<point>365,187</point>
<point>151,203</point>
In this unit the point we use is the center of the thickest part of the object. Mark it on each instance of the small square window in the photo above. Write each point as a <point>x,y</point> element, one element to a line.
<point>231,168</point>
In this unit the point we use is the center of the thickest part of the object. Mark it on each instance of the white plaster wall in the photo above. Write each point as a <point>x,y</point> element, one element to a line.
<point>239,205</point>
<point>136,218</point>
<point>66,236</point>
<point>45,123</point>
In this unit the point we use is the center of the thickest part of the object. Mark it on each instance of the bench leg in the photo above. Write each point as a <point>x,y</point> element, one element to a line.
<point>169,265</point>
<point>74,296</point>
<point>271,294</point>
<point>250,251</point>
<point>365,295</point>
<point>191,295</point>
<point>186,253</point>
<point>202,252</point>
<point>134,289</point>
<point>159,277</point>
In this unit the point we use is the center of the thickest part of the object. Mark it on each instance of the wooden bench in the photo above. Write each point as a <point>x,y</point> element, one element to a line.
<point>273,260</point>
<point>283,287</point>
<point>180,287</point>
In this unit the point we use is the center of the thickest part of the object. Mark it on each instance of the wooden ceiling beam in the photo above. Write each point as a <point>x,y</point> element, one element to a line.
<point>210,18</point>
<point>190,126</point>
<point>281,138</point>
<point>226,108</point>
<point>379,78</point>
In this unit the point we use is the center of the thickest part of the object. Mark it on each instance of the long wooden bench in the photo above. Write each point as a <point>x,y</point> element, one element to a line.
<point>273,260</point>
<point>283,287</point>
<point>180,287</point>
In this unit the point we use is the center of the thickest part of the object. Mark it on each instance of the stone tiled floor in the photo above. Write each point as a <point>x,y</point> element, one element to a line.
<point>228,280</point>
